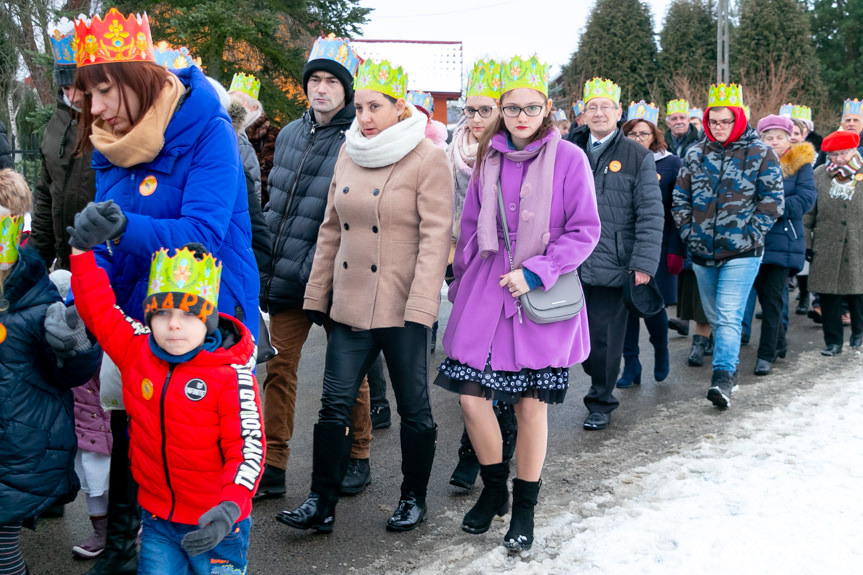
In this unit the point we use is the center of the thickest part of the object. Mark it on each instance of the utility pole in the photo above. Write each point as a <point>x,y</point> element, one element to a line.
<point>722,43</point>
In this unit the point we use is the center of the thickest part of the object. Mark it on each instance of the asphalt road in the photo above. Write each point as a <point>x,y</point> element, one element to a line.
<point>654,419</point>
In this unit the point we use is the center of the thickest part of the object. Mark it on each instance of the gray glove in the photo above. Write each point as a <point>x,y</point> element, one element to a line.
<point>96,224</point>
<point>213,525</point>
<point>65,331</point>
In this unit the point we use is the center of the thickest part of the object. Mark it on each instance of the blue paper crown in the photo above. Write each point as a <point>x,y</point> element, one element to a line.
<point>422,100</point>
<point>578,108</point>
<point>643,111</point>
<point>170,57</point>
<point>336,49</point>
<point>785,110</point>
<point>854,106</point>
<point>558,115</point>
<point>696,113</point>
<point>62,36</point>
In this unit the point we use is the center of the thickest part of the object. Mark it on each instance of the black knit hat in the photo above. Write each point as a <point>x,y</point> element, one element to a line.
<point>331,67</point>
<point>64,75</point>
<point>643,300</point>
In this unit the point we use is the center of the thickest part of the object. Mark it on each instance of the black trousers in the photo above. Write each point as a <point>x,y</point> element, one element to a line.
<point>350,354</point>
<point>770,285</point>
<point>607,316</point>
<point>832,309</point>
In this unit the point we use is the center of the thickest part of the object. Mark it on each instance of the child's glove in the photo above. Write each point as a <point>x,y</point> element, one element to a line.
<point>213,525</point>
<point>65,331</point>
<point>96,224</point>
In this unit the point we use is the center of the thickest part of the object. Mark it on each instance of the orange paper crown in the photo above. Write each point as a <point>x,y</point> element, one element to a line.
<point>114,39</point>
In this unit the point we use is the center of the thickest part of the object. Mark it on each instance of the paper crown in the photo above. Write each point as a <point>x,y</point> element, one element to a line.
<point>245,83</point>
<point>601,88</point>
<point>578,108</point>
<point>725,95</point>
<point>381,77</point>
<point>184,273</point>
<point>337,49</point>
<point>679,106</point>
<point>10,234</point>
<point>850,106</point>
<point>422,100</point>
<point>796,112</point>
<point>747,112</point>
<point>559,116</point>
<point>62,36</point>
<point>524,73</point>
<point>176,58</point>
<point>114,39</point>
<point>643,111</point>
<point>484,80</point>
<point>696,113</point>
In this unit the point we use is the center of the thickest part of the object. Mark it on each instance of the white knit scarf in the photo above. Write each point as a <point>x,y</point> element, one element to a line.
<point>389,146</point>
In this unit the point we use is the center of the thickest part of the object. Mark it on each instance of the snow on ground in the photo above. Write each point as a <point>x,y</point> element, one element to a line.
<point>779,493</point>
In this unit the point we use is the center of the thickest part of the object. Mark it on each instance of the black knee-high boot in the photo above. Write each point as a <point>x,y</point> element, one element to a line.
<point>524,496</point>
<point>418,449</point>
<point>494,499</point>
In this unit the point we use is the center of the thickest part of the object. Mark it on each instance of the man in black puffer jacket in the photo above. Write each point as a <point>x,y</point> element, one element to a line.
<point>5,153</point>
<point>305,156</point>
<point>632,217</point>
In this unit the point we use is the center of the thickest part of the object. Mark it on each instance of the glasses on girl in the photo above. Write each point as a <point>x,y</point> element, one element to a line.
<point>531,110</point>
<point>483,111</point>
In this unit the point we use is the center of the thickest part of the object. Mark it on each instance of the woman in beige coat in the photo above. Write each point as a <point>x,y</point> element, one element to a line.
<point>380,261</point>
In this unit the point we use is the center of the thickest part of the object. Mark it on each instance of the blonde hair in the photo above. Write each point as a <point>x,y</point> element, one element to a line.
<point>15,194</point>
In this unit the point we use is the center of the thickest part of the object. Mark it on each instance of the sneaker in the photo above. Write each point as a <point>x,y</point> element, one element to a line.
<point>722,384</point>
<point>357,477</point>
<point>380,416</point>
<point>272,483</point>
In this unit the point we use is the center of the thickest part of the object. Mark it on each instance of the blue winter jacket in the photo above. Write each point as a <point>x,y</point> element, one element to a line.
<point>785,243</point>
<point>200,196</point>
<point>37,423</point>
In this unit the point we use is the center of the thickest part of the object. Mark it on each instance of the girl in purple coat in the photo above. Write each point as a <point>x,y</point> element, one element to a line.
<point>494,352</point>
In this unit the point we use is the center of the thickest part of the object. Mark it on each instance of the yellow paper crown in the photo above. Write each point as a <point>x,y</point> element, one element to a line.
<point>114,39</point>
<point>10,235</point>
<point>725,95</point>
<point>524,73</point>
<point>247,84</point>
<point>679,106</point>
<point>184,273</point>
<point>484,80</point>
<point>601,88</point>
<point>381,77</point>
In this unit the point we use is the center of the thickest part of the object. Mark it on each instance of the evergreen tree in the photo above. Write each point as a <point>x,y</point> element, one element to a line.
<point>687,61</point>
<point>617,44</point>
<point>837,26</point>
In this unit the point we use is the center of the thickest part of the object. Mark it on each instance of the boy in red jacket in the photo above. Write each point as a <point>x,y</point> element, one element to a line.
<point>196,434</point>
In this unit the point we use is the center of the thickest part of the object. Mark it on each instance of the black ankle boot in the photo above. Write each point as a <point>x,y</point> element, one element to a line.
<point>465,472</point>
<point>418,448</point>
<point>330,455</point>
<point>494,499</point>
<point>520,534</point>
<point>698,351</point>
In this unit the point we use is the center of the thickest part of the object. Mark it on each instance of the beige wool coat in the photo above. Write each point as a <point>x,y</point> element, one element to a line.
<point>383,245</point>
<point>835,237</point>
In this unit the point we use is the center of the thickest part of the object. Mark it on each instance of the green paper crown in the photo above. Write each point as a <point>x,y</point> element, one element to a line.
<point>601,88</point>
<point>679,106</point>
<point>802,113</point>
<point>186,274</point>
<point>381,77</point>
<point>246,84</point>
<point>484,80</point>
<point>10,234</point>
<point>725,95</point>
<point>521,73</point>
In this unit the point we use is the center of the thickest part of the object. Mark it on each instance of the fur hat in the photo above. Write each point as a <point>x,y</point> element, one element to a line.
<point>840,140</point>
<point>774,122</point>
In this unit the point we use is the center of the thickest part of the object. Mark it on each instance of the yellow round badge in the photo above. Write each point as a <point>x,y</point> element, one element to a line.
<point>614,166</point>
<point>148,186</point>
<point>147,389</point>
<point>659,177</point>
<point>2,333</point>
<point>859,177</point>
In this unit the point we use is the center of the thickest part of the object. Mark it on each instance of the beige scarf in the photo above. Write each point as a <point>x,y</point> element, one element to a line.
<point>144,141</point>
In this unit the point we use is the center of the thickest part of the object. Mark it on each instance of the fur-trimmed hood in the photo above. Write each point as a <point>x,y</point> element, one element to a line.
<point>797,156</point>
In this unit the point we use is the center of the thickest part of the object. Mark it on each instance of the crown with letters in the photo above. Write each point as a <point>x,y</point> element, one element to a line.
<point>725,95</point>
<point>484,79</point>
<point>578,108</point>
<point>176,58</point>
<point>245,83</point>
<point>696,113</point>
<point>381,76</point>
<point>679,106</point>
<point>850,106</point>
<point>521,72</point>
<point>601,88</point>
<point>337,49</point>
<point>10,235</point>
<point>183,281</point>
<point>643,111</point>
<point>62,37</point>
<point>115,38</point>
<point>422,100</point>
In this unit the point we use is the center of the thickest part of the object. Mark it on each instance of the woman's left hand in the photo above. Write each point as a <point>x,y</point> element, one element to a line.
<point>514,281</point>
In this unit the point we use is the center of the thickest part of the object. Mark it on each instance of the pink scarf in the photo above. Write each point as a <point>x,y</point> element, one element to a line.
<point>534,198</point>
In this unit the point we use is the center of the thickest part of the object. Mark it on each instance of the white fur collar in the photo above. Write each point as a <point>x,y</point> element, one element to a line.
<point>389,146</point>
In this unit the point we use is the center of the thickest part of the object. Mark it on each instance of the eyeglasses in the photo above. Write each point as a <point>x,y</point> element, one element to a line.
<point>841,154</point>
<point>531,110</point>
<point>639,135</point>
<point>605,109</point>
<point>484,111</point>
<point>720,123</point>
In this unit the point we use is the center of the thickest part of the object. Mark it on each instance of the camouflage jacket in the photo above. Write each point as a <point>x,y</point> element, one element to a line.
<point>727,197</point>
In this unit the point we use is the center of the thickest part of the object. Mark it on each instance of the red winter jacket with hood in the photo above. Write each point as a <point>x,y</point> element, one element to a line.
<point>196,433</point>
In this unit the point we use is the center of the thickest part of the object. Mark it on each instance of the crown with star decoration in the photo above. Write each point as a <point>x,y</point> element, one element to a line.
<point>381,76</point>
<point>521,72</point>
<point>643,111</point>
<point>10,235</point>
<point>176,58</point>
<point>336,49</point>
<point>116,38</point>
<point>601,88</point>
<point>62,37</point>
<point>484,79</point>
<point>725,95</point>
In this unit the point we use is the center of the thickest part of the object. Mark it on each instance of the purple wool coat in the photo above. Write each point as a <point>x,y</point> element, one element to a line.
<point>92,423</point>
<point>484,315</point>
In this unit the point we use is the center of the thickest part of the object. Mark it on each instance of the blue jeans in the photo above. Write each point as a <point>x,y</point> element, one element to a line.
<point>724,290</point>
<point>161,551</point>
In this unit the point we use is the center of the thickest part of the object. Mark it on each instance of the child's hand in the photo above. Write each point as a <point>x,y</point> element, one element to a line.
<point>96,224</point>
<point>214,525</point>
<point>64,330</point>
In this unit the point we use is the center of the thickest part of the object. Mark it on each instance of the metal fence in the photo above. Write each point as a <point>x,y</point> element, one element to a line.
<point>28,160</point>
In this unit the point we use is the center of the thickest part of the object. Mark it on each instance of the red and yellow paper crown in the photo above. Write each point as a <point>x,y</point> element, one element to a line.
<point>113,39</point>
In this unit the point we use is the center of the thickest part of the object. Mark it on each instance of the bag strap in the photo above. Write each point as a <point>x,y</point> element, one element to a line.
<point>502,213</point>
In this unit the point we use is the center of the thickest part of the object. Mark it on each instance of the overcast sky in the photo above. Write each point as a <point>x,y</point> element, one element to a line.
<point>491,28</point>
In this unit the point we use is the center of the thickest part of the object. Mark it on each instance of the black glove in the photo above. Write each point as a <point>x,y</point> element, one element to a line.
<point>64,330</point>
<point>808,255</point>
<point>213,525</point>
<point>96,224</point>
<point>316,317</point>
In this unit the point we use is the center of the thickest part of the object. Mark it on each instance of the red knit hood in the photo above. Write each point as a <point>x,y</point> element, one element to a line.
<point>740,125</point>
